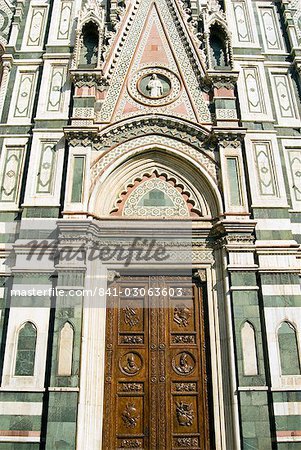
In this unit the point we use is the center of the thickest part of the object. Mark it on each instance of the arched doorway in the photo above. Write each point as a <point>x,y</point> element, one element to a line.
<point>116,176</point>
<point>157,386</point>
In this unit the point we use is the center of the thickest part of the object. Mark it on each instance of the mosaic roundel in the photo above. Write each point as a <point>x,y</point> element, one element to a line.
<point>154,86</point>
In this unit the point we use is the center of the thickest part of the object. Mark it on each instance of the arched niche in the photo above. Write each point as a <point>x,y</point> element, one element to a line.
<point>26,350</point>
<point>288,349</point>
<point>65,353</point>
<point>88,56</point>
<point>219,47</point>
<point>249,351</point>
<point>190,180</point>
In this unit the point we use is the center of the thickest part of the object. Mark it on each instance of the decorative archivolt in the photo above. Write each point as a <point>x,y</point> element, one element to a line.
<point>6,14</point>
<point>157,195</point>
<point>176,178</point>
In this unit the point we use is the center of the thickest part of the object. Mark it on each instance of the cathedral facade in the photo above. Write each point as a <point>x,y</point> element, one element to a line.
<point>150,214</point>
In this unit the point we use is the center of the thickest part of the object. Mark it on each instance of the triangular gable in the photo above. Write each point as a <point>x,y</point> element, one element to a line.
<point>153,41</point>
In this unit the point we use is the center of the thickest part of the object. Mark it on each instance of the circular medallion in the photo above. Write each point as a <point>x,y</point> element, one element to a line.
<point>154,86</point>
<point>130,363</point>
<point>183,363</point>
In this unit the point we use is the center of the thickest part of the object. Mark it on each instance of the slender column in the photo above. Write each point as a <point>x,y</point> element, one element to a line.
<point>4,83</point>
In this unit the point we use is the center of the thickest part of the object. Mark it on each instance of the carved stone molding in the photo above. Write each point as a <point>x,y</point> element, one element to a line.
<point>225,80</point>
<point>228,138</point>
<point>160,125</point>
<point>89,79</point>
<point>112,275</point>
<point>81,136</point>
<point>200,275</point>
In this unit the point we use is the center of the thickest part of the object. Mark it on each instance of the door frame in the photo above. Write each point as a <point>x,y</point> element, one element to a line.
<point>90,409</point>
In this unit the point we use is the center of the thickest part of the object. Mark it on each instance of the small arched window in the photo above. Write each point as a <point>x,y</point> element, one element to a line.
<point>288,349</point>
<point>89,47</point>
<point>218,47</point>
<point>26,350</point>
<point>65,355</point>
<point>249,350</point>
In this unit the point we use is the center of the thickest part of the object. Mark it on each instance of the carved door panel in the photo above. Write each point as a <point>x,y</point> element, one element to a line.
<point>155,372</point>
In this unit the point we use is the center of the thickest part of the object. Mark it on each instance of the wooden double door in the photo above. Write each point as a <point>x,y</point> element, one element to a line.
<point>155,370</point>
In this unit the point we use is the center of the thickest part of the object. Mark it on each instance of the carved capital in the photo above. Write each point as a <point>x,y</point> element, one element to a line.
<point>226,79</point>
<point>89,79</point>
<point>230,138</point>
<point>83,137</point>
<point>112,275</point>
<point>200,275</point>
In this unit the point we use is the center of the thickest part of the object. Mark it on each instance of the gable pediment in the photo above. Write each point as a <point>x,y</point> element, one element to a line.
<point>155,44</point>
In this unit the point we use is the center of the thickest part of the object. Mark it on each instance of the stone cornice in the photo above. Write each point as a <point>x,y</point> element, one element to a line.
<point>190,133</point>
<point>223,78</point>
<point>92,78</point>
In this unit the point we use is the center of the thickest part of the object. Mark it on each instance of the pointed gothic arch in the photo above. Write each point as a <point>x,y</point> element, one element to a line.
<point>128,168</point>
<point>289,351</point>
<point>219,46</point>
<point>65,350</point>
<point>249,350</point>
<point>156,194</point>
<point>88,55</point>
<point>26,349</point>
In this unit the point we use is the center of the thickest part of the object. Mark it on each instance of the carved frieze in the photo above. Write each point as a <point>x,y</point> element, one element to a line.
<point>131,443</point>
<point>131,387</point>
<point>89,79</point>
<point>131,339</point>
<point>185,387</point>
<point>187,442</point>
<point>183,339</point>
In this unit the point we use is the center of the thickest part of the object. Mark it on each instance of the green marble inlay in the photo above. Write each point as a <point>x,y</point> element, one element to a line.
<point>289,355</point>
<point>235,195</point>
<point>155,197</point>
<point>26,350</point>
<point>77,182</point>
<point>19,446</point>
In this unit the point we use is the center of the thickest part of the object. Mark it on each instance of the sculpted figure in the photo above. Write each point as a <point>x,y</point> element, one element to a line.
<point>155,87</point>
